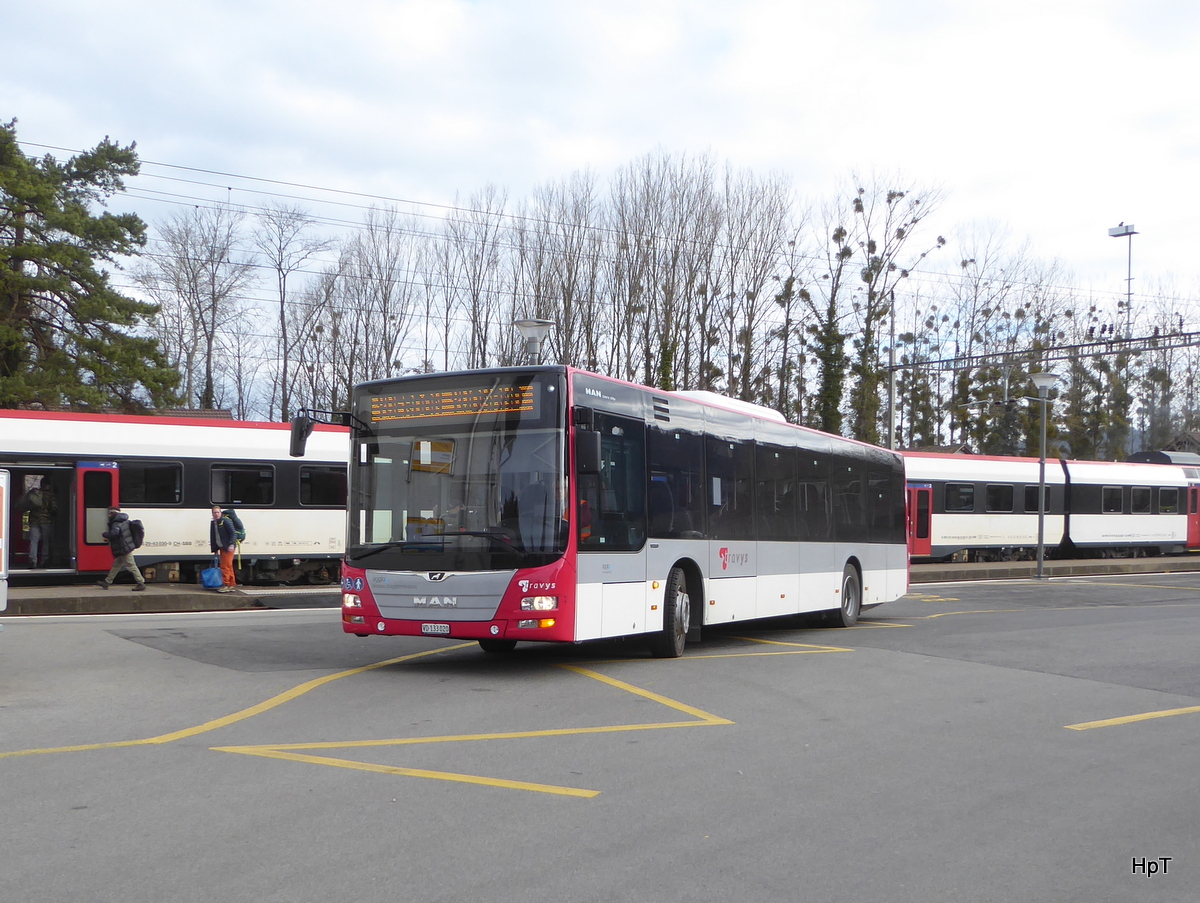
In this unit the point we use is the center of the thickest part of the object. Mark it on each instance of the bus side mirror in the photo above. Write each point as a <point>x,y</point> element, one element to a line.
<point>587,451</point>
<point>302,427</point>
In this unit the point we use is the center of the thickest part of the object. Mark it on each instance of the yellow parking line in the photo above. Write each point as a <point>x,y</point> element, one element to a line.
<point>810,647</point>
<point>213,725</point>
<point>980,611</point>
<point>871,625</point>
<point>268,753</point>
<point>461,738</point>
<point>1130,719</point>
<point>646,694</point>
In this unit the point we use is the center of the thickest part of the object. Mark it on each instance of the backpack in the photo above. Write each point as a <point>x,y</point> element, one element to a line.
<point>138,532</point>
<point>239,530</point>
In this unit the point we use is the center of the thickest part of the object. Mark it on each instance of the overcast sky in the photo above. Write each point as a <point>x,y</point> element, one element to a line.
<point>1053,119</point>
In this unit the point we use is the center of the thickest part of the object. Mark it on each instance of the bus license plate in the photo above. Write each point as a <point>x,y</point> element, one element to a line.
<point>436,629</point>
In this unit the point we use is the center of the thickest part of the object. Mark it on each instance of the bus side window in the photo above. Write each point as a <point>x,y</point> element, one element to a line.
<point>676,492</point>
<point>730,467</point>
<point>615,499</point>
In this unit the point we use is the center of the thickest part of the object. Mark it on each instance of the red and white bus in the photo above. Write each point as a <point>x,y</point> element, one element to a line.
<point>552,504</point>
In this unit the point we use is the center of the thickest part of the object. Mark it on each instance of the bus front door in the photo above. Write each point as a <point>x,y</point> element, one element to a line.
<point>97,487</point>
<point>920,501</point>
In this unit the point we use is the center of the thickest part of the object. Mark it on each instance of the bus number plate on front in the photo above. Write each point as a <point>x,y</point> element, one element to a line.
<point>436,629</point>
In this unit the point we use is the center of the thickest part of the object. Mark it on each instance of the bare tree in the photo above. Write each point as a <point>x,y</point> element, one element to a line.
<point>284,240</point>
<point>199,277</point>
<point>886,218</point>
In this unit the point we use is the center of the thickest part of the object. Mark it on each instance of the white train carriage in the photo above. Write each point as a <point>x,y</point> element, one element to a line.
<point>983,507</point>
<point>167,472</point>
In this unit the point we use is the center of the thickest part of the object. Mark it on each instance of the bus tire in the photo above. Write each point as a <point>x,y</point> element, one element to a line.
<point>677,616</point>
<point>847,614</point>
<point>497,645</point>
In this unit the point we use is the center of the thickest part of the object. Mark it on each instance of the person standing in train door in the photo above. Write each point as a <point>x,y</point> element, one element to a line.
<point>120,539</point>
<point>222,541</point>
<point>43,510</point>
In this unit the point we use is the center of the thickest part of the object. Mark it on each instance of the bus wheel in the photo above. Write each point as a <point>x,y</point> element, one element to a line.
<point>847,615</point>
<point>677,616</point>
<point>497,645</point>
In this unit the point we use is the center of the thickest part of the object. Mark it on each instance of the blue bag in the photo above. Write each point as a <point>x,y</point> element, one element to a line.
<point>211,577</point>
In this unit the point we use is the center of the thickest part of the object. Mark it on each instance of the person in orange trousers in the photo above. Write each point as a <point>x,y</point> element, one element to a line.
<point>222,540</point>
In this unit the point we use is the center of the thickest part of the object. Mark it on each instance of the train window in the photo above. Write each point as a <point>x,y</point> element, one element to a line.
<point>1139,500</point>
<point>999,497</point>
<point>1110,500</point>
<point>243,484</point>
<point>1031,498</point>
<point>151,483</point>
<point>323,485</point>
<point>1168,500</point>
<point>960,497</point>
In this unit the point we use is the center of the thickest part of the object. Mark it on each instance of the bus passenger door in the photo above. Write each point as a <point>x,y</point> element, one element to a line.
<point>1193,518</point>
<point>920,502</point>
<point>97,487</point>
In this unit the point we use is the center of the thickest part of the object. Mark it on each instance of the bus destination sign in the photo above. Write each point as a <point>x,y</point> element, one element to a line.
<point>466,402</point>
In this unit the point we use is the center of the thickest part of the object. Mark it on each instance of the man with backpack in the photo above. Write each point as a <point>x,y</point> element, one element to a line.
<point>43,512</point>
<point>222,541</point>
<point>121,540</point>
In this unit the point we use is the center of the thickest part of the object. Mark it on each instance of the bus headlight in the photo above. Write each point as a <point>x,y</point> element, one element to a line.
<point>539,603</point>
<point>350,600</point>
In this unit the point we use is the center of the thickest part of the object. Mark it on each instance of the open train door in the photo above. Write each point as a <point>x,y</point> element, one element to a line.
<point>1193,518</point>
<point>920,503</point>
<point>97,487</point>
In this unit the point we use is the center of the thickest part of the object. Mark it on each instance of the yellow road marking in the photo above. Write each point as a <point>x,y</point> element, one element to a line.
<point>871,625</point>
<point>646,694</point>
<point>1130,719</point>
<point>269,753</point>
<point>980,611</point>
<point>267,705</point>
<point>809,647</point>
<point>460,738</point>
<point>283,750</point>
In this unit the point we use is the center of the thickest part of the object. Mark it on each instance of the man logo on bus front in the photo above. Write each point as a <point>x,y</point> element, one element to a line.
<point>435,576</point>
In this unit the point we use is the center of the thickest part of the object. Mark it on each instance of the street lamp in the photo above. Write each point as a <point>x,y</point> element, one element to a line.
<point>1120,231</point>
<point>534,332</point>
<point>1043,382</point>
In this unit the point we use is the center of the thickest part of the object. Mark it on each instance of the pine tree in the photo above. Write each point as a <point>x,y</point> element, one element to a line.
<point>66,336</point>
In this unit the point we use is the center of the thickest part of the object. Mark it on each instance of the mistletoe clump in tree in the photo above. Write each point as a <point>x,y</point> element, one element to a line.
<point>66,337</point>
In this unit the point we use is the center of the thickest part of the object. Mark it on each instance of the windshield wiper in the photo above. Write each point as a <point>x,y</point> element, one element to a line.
<point>397,544</point>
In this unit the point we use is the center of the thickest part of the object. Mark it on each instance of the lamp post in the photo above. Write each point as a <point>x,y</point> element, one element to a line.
<point>1043,382</point>
<point>1121,231</point>
<point>534,332</point>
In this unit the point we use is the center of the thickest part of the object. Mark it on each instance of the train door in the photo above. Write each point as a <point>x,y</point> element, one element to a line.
<point>40,518</point>
<point>97,488</point>
<point>920,503</point>
<point>1193,517</point>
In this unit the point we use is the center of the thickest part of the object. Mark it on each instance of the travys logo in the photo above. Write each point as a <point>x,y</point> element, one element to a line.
<point>734,558</point>
<point>529,585</point>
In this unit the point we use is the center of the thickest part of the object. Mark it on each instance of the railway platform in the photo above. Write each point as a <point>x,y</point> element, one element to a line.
<point>947,572</point>
<point>87,598</point>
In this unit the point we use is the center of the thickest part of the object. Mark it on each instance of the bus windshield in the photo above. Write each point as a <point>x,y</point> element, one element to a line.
<point>463,473</point>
